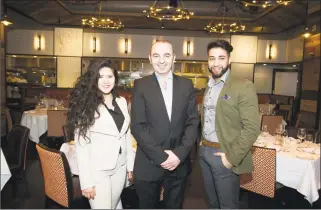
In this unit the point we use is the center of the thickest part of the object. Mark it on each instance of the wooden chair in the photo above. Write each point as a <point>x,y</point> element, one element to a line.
<point>272,121</point>
<point>289,109</point>
<point>16,155</point>
<point>8,119</point>
<point>298,119</point>
<point>60,186</point>
<point>56,121</point>
<point>284,113</point>
<point>68,134</point>
<point>262,180</point>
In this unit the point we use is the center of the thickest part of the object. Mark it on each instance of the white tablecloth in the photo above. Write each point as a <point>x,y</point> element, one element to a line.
<point>36,121</point>
<point>296,169</point>
<point>5,172</point>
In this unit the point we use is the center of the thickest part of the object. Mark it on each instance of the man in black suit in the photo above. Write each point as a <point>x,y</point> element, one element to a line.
<point>164,122</point>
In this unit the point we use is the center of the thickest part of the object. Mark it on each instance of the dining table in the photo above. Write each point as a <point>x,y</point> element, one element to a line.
<point>5,171</point>
<point>297,164</point>
<point>36,121</point>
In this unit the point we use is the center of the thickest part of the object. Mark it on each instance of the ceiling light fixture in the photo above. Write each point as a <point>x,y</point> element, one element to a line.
<point>174,10</point>
<point>257,3</point>
<point>5,21</point>
<point>102,22</point>
<point>284,2</point>
<point>223,27</point>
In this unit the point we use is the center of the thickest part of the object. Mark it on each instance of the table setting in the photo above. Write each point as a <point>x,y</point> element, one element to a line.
<point>297,160</point>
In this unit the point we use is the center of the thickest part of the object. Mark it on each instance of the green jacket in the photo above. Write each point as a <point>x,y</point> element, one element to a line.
<point>237,122</point>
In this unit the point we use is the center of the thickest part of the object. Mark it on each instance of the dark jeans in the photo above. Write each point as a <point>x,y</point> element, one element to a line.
<point>149,192</point>
<point>222,185</point>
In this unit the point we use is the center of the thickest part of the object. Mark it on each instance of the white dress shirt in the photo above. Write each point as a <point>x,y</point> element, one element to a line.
<point>166,85</point>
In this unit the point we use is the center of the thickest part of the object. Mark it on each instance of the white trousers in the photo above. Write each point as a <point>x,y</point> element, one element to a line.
<point>108,189</point>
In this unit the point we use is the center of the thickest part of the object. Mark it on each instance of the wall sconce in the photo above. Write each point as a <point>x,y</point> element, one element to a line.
<point>270,51</point>
<point>39,43</point>
<point>188,50</point>
<point>126,46</point>
<point>94,44</point>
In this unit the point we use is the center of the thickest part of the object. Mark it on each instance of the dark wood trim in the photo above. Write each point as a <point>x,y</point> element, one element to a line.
<point>23,14</point>
<point>318,116</point>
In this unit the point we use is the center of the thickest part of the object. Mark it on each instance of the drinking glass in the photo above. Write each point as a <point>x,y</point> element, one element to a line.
<point>261,111</point>
<point>280,129</point>
<point>309,138</point>
<point>265,130</point>
<point>301,134</point>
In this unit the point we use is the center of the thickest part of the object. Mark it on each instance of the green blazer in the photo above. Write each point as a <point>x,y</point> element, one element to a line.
<point>237,122</point>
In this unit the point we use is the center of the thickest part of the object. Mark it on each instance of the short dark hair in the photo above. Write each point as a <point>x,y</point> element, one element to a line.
<point>220,43</point>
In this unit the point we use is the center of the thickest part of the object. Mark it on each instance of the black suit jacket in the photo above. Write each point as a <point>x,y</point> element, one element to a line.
<point>153,130</point>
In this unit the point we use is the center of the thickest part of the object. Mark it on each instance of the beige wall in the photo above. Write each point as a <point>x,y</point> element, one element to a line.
<point>263,79</point>
<point>112,45</point>
<point>68,70</point>
<point>294,50</point>
<point>26,41</point>
<point>278,51</point>
<point>245,48</point>
<point>68,41</point>
<point>263,76</point>
<point>243,70</point>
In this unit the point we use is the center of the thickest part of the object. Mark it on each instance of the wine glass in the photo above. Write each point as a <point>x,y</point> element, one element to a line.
<point>265,130</point>
<point>301,134</point>
<point>286,141</point>
<point>261,111</point>
<point>280,129</point>
<point>309,138</point>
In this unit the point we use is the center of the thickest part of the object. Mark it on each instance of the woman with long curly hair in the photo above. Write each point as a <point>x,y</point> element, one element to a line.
<point>103,140</point>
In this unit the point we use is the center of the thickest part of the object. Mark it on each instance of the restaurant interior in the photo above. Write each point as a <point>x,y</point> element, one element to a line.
<point>47,45</point>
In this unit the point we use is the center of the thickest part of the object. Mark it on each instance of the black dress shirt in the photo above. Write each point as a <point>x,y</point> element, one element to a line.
<point>117,115</point>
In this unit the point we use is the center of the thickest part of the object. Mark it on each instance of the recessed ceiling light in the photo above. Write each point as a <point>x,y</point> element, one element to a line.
<point>264,64</point>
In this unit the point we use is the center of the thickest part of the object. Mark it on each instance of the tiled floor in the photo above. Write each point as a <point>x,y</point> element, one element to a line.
<point>194,199</point>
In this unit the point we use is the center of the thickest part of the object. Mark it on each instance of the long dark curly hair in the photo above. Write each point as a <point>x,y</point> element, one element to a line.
<point>86,97</point>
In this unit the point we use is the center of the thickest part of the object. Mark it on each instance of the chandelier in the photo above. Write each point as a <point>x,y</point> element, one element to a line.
<point>264,3</point>
<point>257,3</point>
<point>102,22</point>
<point>284,2</point>
<point>223,27</point>
<point>174,10</point>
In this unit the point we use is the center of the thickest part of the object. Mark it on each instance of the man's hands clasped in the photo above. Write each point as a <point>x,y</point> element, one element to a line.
<point>172,161</point>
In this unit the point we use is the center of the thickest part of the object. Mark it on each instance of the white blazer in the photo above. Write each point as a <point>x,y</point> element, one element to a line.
<point>102,152</point>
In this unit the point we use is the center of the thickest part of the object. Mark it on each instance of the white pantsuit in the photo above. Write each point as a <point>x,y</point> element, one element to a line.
<point>99,162</point>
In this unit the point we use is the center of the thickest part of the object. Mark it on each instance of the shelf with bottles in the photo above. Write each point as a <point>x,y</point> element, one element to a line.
<point>26,69</point>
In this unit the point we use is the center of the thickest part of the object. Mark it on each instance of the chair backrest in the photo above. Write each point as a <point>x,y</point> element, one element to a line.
<point>68,134</point>
<point>284,113</point>
<point>272,121</point>
<point>288,108</point>
<point>56,174</point>
<point>17,146</point>
<point>56,119</point>
<point>298,119</point>
<point>263,177</point>
<point>8,119</point>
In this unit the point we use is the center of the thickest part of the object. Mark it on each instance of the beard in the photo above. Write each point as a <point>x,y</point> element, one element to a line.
<point>215,76</point>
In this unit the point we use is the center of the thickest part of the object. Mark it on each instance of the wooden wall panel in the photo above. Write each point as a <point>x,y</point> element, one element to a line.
<point>312,47</point>
<point>311,74</point>
<point>308,106</point>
